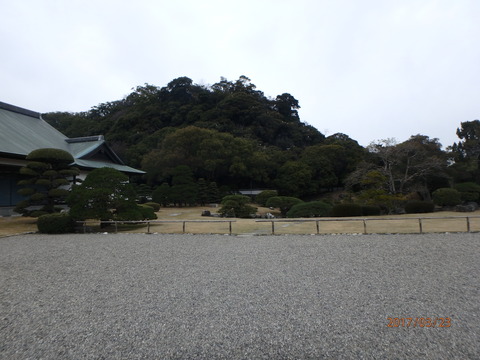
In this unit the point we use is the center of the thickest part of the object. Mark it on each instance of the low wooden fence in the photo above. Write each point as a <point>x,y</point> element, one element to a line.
<point>148,223</point>
<point>310,226</point>
<point>420,221</point>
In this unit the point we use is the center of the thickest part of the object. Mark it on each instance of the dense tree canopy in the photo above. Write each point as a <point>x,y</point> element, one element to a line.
<point>466,153</point>
<point>231,135</point>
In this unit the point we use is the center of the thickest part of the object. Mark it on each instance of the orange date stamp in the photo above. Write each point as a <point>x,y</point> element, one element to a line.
<point>430,322</point>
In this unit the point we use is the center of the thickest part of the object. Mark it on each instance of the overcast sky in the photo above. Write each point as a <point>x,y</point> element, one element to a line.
<point>372,69</point>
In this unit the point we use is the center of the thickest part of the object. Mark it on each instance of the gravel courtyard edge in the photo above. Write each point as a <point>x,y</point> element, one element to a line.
<point>138,296</point>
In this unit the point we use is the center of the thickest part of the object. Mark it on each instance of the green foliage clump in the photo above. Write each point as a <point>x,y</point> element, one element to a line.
<point>57,223</point>
<point>237,206</point>
<point>132,213</point>
<point>310,209</point>
<point>262,198</point>
<point>184,189</point>
<point>419,207</point>
<point>106,195</point>
<point>46,172</point>
<point>284,203</point>
<point>342,210</point>
<point>446,197</point>
<point>154,205</point>
<point>161,194</point>
<point>148,212</point>
<point>469,191</point>
<point>50,155</point>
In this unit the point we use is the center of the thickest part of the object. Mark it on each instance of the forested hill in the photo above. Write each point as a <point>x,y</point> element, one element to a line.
<point>229,133</point>
<point>136,124</point>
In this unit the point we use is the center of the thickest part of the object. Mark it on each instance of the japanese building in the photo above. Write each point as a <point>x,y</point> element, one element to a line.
<point>22,131</point>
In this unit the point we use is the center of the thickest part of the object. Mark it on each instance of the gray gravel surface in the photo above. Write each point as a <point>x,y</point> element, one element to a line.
<point>139,296</point>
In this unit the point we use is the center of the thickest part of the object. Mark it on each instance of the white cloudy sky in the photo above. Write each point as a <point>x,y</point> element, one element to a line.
<point>372,69</point>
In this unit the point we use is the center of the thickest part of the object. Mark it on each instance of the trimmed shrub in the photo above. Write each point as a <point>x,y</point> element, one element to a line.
<point>469,196</point>
<point>148,212</point>
<point>57,223</point>
<point>446,197</point>
<point>467,187</point>
<point>237,206</point>
<point>129,214</point>
<point>50,155</point>
<point>155,206</point>
<point>284,203</point>
<point>419,207</point>
<point>371,210</point>
<point>342,210</point>
<point>469,191</point>
<point>262,198</point>
<point>310,209</point>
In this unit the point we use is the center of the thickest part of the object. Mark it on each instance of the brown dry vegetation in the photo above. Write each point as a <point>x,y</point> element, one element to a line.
<point>17,225</point>
<point>180,217</point>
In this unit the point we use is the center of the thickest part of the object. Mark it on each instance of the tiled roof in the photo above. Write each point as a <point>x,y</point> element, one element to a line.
<point>22,131</point>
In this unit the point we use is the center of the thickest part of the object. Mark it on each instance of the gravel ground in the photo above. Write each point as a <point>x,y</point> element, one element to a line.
<point>139,296</point>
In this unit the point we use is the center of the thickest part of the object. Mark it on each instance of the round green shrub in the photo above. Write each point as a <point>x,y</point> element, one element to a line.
<point>147,212</point>
<point>129,214</point>
<point>342,210</point>
<point>309,209</point>
<point>419,207</point>
<point>237,206</point>
<point>284,203</point>
<point>469,191</point>
<point>446,197</point>
<point>50,155</point>
<point>469,196</point>
<point>262,198</point>
<point>57,223</point>
<point>154,205</point>
<point>467,187</point>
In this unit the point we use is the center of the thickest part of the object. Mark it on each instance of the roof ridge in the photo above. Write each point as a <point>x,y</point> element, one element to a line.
<point>20,110</point>
<point>85,139</point>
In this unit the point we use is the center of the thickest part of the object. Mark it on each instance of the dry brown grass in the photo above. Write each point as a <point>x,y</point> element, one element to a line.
<point>385,224</point>
<point>17,225</point>
<point>180,217</point>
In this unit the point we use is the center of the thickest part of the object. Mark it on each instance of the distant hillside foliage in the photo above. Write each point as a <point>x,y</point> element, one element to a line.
<point>232,136</point>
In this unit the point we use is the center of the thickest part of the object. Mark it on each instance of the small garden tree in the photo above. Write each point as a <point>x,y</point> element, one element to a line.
<point>237,206</point>
<point>48,175</point>
<point>446,197</point>
<point>263,197</point>
<point>161,194</point>
<point>309,209</point>
<point>284,203</point>
<point>106,195</point>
